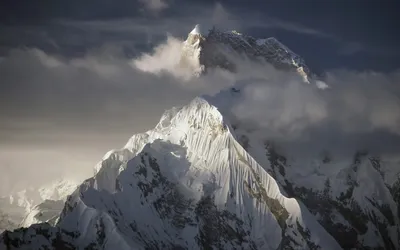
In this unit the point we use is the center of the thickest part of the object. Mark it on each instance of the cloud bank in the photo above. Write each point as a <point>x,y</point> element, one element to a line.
<point>343,112</point>
<point>72,110</point>
<point>354,101</point>
<point>359,111</point>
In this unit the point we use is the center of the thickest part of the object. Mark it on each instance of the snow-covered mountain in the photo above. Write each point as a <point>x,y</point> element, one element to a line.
<point>212,49</point>
<point>46,211</point>
<point>20,205</point>
<point>202,179</point>
<point>187,184</point>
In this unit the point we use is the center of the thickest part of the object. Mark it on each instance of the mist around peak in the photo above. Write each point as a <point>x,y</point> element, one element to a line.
<point>343,112</point>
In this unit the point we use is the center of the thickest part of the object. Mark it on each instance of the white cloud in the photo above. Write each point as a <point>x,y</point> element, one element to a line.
<point>165,58</point>
<point>295,27</point>
<point>355,102</point>
<point>285,109</point>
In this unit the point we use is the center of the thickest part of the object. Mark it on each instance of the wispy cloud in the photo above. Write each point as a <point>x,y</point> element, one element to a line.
<point>295,27</point>
<point>154,5</point>
<point>344,47</point>
<point>352,48</point>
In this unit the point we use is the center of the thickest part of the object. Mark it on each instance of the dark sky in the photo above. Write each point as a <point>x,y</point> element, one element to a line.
<point>70,88</point>
<point>328,34</point>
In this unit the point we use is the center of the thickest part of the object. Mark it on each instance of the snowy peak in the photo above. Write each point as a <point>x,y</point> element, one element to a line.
<point>189,181</point>
<point>187,184</point>
<point>196,30</point>
<point>216,50</point>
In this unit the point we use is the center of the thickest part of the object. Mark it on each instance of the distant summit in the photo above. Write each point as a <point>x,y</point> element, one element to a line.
<point>213,49</point>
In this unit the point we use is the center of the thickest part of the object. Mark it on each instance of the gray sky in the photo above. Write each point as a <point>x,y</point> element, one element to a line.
<point>69,90</point>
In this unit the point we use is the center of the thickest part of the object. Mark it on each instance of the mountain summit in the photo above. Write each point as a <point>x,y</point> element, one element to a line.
<point>196,30</point>
<point>217,49</point>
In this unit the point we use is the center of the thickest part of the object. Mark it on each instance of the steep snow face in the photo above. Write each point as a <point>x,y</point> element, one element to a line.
<point>187,184</point>
<point>218,49</point>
